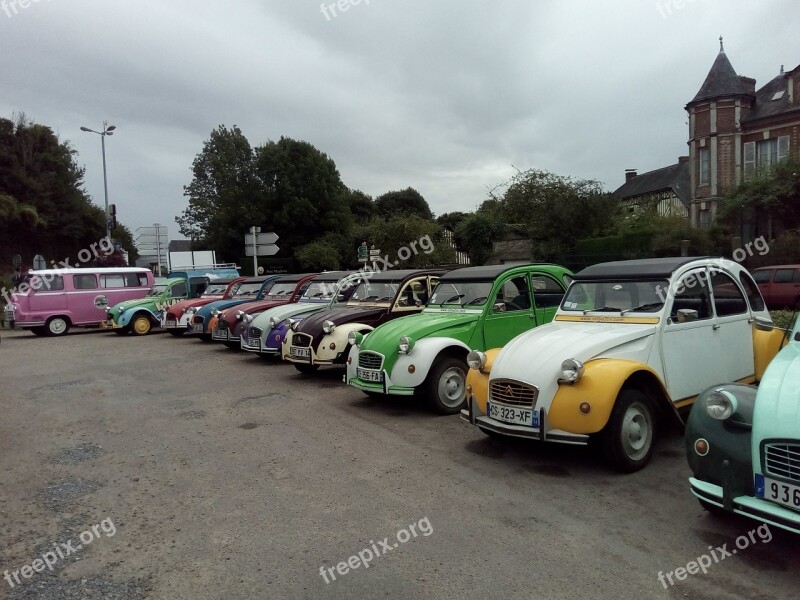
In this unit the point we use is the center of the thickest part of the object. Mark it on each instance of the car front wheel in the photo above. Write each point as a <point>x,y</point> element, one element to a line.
<point>630,432</point>
<point>446,385</point>
<point>57,326</point>
<point>141,325</point>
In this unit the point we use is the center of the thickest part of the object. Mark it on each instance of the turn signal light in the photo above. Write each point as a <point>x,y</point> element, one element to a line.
<point>411,368</point>
<point>701,447</point>
<point>585,408</point>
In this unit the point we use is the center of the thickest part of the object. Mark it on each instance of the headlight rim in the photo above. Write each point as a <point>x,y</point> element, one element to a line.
<point>476,357</point>
<point>729,404</point>
<point>405,344</point>
<point>328,327</point>
<point>574,366</point>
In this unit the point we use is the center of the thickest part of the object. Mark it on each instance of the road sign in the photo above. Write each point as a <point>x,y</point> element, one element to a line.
<point>261,250</point>
<point>374,253</point>
<point>16,261</point>
<point>39,262</point>
<point>363,252</point>
<point>261,238</point>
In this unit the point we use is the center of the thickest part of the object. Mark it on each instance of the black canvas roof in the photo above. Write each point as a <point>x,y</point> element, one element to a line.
<point>333,275</point>
<point>402,274</point>
<point>645,268</point>
<point>295,277</point>
<point>486,272</point>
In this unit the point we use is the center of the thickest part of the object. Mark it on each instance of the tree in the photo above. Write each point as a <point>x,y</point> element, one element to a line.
<point>403,202</point>
<point>318,256</point>
<point>451,220</point>
<point>362,207</point>
<point>476,235</point>
<point>409,241</point>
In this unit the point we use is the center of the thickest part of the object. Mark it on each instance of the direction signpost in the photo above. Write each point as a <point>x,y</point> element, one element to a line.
<point>260,244</point>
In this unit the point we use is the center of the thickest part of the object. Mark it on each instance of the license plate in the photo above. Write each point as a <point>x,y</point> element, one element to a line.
<point>171,323</point>
<point>300,352</point>
<point>778,492</point>
<point>514,414</point>
<point>197,328</point>
<point>367,375</point>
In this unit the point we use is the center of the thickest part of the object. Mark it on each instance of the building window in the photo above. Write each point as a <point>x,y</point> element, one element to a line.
<point>705,166</point>
<point>704,217</point>
<point>765,154</point>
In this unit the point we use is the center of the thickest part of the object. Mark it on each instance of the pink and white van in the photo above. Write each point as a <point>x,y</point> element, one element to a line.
<point>50,301</point>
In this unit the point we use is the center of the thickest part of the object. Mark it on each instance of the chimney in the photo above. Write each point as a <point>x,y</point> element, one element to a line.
<point>629,174</point>
<point>683,159</point>
<point>749,84</point>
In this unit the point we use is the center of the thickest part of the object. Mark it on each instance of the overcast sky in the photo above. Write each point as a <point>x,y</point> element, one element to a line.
<point>441,95</point>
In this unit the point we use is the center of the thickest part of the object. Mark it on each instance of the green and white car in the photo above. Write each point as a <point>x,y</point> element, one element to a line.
<point>474,307</point>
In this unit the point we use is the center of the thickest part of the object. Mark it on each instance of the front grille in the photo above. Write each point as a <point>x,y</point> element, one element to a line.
<point>255,334</point>
<point>513,393</point>
<point>222,325</point>
<point>370,360</point>
<point>782,459</point>
<point>199,320</point>
<point>301,340</point>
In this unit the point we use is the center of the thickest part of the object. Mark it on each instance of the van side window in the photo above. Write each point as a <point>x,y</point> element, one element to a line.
<point>728,299</point>
<point>85,282</point>
<point>48,285</point>
<point>751,289</point>
<point>143,280</point>
<point>112,280</point>
<point>131,280</point>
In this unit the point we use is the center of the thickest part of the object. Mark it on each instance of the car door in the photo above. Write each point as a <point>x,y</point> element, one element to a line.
<point>732,327</point>
<point>511,311</point>
<point>690,347</point>
<point>547,296</point>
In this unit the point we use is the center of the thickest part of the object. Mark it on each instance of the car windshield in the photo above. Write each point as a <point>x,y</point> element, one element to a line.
<point>157,290</point>
<point>248,289</point>
<point>374,292</point>
<point>320,290</point>
<point>282,289</point>
<point>461,293</point>
<point>616,296</point>
<point>215,289</point>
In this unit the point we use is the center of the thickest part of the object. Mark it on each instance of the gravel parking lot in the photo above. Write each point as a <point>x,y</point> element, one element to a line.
<point>228,476</point>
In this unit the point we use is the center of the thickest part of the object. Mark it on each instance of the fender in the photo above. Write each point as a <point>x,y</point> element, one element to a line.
<point>126,317</point>
<point>766,345</point>
<point>421,358</point>
<point>478,381</point>
<point>600,385</point>
<point>338,337</point>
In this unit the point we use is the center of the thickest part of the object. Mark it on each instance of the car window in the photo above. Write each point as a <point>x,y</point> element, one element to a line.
<point>784,276</point>
<point>112,280</point>
<point>756,301</point>
<point>85,282</point>
<point>728,298</point>
<point>691,293</point>
<point>178,290</point>
<point>546,291</point>
<point>142,279</point>
<point>762,276</point>
<point>132,280</point>
<point>514,294</point>
<point>198,286</point>
<point>413,294</point>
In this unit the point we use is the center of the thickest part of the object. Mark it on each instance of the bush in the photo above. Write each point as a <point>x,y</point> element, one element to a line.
<point>783,318</point>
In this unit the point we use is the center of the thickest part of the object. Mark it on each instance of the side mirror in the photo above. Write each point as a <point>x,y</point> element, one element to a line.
<point>763,324</point>
<point>418,303</point>
<point>499,307</point>
<point>686,315</point>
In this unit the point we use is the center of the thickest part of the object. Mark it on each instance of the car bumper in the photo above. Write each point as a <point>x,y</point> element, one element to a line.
<point>110,325</point>
<point>381,388</point>
<point>473,415</point>
<point>27,324</point>
<point>749,506</point>
<point>219,335</point>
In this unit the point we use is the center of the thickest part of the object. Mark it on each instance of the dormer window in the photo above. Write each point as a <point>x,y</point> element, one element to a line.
<point>778,95</point>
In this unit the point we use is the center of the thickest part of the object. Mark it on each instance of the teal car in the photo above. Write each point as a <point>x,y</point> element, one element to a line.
<point>140,316</point>
<point>474,307</point>
<point>743,442</point>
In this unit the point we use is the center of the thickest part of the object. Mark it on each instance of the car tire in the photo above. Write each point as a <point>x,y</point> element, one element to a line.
<point>38,331</point>
<point>629,436</point>
<point>305,369</point>
<point>233,345</point>
<point>493,434</point>
<point>205,337</point>
<point>446,385</point>
<point>56,326</point>
<point>176,332</point>
<point>141,325</point>
<point>122,331</point>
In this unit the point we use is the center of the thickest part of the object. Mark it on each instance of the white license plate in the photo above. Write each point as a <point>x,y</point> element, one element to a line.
<point>171,324</point>
<point>514,414</point>
<point>197,328</point>
<point>367,375</point>
<point>300,352</point>
<point>777,491</point>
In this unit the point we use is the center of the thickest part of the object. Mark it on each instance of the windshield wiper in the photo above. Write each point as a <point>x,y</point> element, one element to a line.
<point>642,307</point>
<point>603,309</point>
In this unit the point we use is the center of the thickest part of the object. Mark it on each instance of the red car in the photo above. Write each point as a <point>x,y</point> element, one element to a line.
<point>285,290</point>
<point>780,285</point>
<point>177,319</point>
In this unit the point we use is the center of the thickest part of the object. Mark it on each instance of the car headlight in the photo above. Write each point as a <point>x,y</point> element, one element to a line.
<point>122,310</point>
<point>405,345</point>
<point>328,326</point>
<point>248,318</point>
<point>292,324</point>
<point>239,315</point>
<point>272,323</point>
<point>476,360</point>
<point>354,338</point>
<point>571,371</point>
<point>216,312</point>
<point>191,311</point>
<point>721,404</point>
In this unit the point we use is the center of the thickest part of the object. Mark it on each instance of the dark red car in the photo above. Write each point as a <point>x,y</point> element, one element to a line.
<point>780,285</point>
<point>178,318</point>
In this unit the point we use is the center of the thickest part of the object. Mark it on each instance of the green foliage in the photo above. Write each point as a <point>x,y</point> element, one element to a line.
<point>43,208</point>
<point>362,207</point>
<point>773,192</point>
<point>318,256</point>
<point>409,232</point>
<point>476,235</point>
<point>784,319</point>
<point>451,220</point>
<point>403,202</point>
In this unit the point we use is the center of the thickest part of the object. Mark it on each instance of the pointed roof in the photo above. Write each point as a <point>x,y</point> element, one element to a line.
<point>721,80</point>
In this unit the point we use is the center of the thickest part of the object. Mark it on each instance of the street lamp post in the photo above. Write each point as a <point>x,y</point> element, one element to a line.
<point>107,130</point>
<point>158,246</point>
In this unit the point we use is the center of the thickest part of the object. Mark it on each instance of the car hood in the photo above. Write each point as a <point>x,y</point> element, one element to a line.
<point>149,301</point>
<point>223,304</point>
<point>179,307</point>
<point>312,324</point>
<point>777,409</point>
<point>284,311</point>
<point>536,355</point>
<point>416,327</point>
<point>251,307</point>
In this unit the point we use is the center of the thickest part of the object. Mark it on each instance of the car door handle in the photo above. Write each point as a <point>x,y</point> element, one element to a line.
<point>715,327</point>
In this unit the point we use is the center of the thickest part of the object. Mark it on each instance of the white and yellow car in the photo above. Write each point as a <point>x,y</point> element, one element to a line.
<point>631,344</point>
